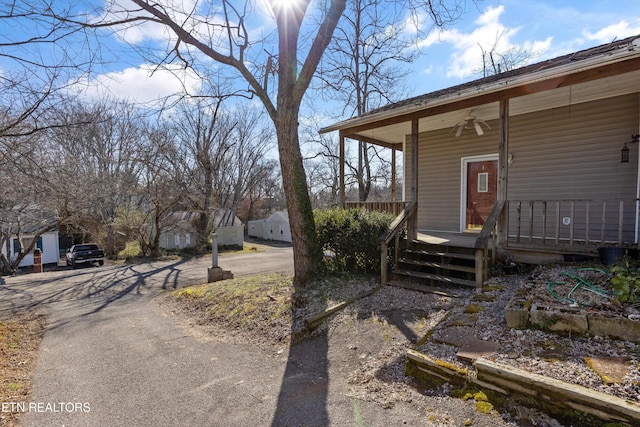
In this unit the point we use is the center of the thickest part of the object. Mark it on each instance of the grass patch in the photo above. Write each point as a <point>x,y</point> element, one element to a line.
<point>19,340</point>
<point>473,309</point>
<point>131,250</point>
<point>267,307</point>
<point>249,303</point>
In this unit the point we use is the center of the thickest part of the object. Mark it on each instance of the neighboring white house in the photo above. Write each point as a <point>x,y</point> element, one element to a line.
<point>180,232</point>
<point>48,243</point>
<point>276,227</point>
<point>256,228</point>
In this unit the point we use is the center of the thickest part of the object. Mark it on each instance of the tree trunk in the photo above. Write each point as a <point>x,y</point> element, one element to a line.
<point>154,241</point>
<point>307,256</point>
<point>306,253</point>
<point>202,222</point>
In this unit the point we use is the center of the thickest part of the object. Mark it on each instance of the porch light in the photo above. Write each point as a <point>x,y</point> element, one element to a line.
<point>624,153</point>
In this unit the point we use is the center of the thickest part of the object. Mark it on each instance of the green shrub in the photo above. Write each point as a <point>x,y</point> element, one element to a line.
<point>350,238</point>
<point>626,280</point>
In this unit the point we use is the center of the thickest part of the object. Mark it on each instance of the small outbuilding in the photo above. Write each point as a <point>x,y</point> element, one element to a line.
<point>276,227</point>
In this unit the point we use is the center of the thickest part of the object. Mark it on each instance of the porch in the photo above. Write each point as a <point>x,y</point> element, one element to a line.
<point>529,231</point>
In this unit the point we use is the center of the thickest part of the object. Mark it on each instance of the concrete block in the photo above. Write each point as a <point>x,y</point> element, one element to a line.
<point>216,274</point>
<point>559,320</point>
<point>614,327</point>
<point>516,314</point>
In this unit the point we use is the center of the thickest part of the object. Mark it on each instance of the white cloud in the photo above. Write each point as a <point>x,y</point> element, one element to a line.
<point>143,84</point>
<point>615,31</point>
<point>488,34</point>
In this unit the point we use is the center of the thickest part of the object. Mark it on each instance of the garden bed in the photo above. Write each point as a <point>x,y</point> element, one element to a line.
<point>574,301</point>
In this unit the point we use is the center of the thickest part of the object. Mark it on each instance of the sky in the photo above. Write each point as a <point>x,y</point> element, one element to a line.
<point>545,28</point>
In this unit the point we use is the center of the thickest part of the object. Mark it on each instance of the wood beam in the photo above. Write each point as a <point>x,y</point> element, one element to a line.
<point>503,149</point>
<point>374,141</point>
<point>393,175</point>
<point>412,222</point>
<point>503,160</point>
<point>414,160</point>
<point>342,194</point>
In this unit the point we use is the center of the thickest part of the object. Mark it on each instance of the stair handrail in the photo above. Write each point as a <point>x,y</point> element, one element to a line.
<point>392,232</point>
<point>482,241</point>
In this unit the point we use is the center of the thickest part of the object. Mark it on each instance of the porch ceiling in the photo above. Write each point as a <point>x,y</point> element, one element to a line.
<point>389,132</point>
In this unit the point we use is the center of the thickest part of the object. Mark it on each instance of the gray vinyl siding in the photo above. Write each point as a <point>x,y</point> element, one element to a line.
<point>569,152</point>
<point>440,156</point>
<point>573,152</point>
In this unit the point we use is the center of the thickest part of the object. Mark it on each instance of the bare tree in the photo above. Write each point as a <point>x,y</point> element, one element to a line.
<point>365,67</point>
<point>96,166</point>
<point>26,207</point>
<point>204,132</point>
<point>496,60</point>
<point>221,32</point>
<point>163,185</point>
<point>18,211</point>
<point>225,154</point>
<point>253,140</point>
<point>323,165</point>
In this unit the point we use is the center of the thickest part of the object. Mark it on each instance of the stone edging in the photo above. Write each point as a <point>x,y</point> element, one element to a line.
<point>570,321</point>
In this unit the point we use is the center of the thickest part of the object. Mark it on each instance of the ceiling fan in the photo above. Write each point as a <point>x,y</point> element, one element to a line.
<point>470,122</point>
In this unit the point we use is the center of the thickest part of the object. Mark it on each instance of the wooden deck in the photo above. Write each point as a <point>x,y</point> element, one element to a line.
<point>462,240</point>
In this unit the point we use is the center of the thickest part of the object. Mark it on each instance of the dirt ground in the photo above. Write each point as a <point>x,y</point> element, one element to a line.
<point>367,340</point>
<point>19,339</point>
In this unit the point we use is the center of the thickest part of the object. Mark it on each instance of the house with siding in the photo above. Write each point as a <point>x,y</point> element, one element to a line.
<point>179,232</point>
<point>47,242</point>
<point>536,164</point>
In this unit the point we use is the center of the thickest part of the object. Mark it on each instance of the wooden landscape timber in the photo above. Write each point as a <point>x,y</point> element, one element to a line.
<point>316,320</point>
<point>548,394</point>
<point>558,393</point>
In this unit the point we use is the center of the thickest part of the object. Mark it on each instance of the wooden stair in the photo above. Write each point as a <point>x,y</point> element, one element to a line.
<point>435,265</point>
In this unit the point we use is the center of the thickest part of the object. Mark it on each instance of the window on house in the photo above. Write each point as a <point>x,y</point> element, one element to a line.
<point>26,241</point>
<point>483,182</point>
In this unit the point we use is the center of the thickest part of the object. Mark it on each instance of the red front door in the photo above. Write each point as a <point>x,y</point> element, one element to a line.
<point>482,192</point>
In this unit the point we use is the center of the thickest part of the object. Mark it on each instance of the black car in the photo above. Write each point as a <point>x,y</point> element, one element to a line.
<point>84,253</point>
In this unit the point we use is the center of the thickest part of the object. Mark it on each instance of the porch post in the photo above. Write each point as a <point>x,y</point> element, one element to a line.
<point>503,160</point>
<point>412,222</point>
<point>341,179</point>
<point>393,176</point>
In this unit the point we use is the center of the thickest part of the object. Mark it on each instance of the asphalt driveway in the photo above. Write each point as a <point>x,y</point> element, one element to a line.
<point>109,283</point>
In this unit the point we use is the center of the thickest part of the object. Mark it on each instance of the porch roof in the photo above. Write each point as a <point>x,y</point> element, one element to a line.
<point>618,61</point>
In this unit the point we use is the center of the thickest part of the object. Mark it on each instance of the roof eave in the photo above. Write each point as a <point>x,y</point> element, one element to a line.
<point>607,58</point>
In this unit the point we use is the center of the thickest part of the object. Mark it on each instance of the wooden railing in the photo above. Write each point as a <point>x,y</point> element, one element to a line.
<point>573,222</point>
<point>393,232</point>
<point>487,234</point>
<point>389,207</point>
